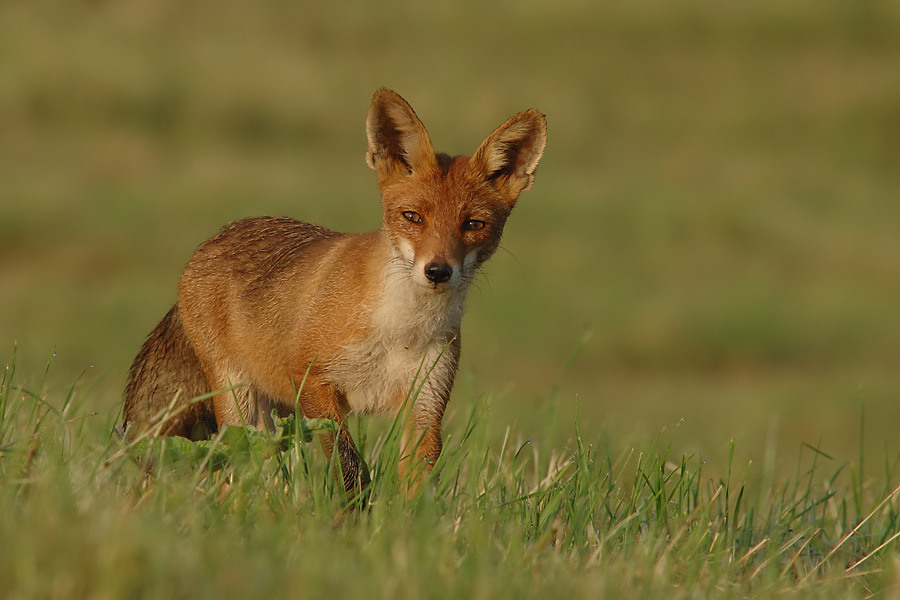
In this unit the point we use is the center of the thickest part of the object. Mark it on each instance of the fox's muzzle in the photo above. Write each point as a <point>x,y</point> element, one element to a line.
<point>438,272</point>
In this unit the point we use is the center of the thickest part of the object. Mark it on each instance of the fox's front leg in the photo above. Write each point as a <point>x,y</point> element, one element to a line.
<point>420,447</point>
<point>320,401</point>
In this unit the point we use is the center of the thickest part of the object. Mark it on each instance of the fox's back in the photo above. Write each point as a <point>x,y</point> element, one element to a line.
<point>258,249</point>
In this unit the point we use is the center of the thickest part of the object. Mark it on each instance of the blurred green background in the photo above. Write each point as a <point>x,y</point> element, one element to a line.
<point>712,244</point>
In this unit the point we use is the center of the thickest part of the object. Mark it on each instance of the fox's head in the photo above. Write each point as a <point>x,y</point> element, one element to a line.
<point>444,215</point>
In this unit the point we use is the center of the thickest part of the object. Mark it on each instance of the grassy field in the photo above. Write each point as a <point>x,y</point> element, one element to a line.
<point>706,272</point>
<point>262,515</point>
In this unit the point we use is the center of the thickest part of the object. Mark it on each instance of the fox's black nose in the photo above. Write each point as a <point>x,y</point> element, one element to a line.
<point>438,272</point>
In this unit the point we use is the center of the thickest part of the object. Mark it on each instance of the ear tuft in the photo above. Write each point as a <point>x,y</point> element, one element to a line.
<point>398,142</point>
<point>510,155</point>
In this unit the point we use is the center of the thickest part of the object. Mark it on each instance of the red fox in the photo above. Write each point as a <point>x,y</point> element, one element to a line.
<point>273,312</point>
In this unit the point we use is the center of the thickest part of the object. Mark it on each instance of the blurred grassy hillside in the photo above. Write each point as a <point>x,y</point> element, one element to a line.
<point>714,234</point>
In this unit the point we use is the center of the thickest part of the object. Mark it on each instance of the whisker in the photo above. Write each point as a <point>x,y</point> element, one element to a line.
<point>510,254</point>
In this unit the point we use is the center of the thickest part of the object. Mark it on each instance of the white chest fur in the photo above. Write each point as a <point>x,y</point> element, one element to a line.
<point>412,327</point>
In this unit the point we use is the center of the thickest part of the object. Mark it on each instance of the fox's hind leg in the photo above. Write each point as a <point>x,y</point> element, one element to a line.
<point>240,403</point>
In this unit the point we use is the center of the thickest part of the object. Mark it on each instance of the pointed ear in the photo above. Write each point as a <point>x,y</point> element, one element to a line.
<point>398,143</point>
<point>509,156</point>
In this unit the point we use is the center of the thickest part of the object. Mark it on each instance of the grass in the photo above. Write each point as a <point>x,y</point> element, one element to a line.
<point>705,272</point>
<point>262,515</point>
<point>717,202</point>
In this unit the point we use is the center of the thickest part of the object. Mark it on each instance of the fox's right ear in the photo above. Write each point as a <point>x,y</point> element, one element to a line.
<point>398,143</point>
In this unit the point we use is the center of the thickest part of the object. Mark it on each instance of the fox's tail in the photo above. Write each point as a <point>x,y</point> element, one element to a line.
<point>165,366</point>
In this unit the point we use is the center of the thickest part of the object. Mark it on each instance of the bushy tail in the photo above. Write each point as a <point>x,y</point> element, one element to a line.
<point>165,366</point>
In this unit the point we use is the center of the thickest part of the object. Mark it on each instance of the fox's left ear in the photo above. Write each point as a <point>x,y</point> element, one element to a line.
<point>509,157</point>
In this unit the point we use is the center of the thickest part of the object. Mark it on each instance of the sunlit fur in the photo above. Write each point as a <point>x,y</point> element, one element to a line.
<point>272,312</point>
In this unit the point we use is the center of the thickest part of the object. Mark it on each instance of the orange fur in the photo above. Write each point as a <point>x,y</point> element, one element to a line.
<point>269,302</point>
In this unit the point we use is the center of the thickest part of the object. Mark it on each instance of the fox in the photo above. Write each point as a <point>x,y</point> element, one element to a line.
<point>274,314</point>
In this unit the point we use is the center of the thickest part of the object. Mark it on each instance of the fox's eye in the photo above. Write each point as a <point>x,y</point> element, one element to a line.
<point>473,225</point>
<point>412,217</point>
